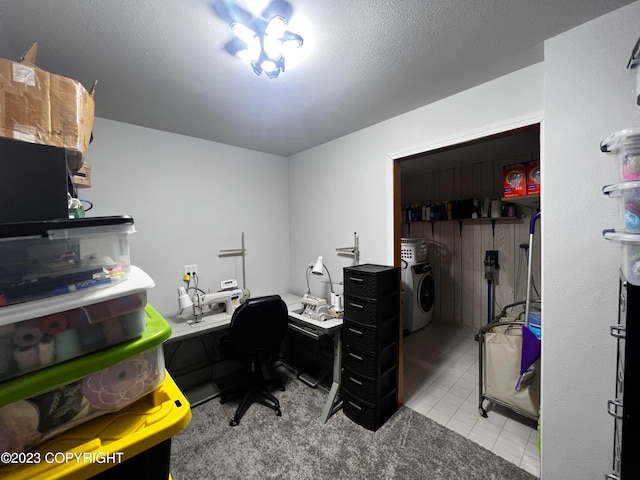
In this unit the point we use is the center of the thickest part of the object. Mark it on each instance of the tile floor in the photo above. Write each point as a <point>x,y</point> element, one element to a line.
<point>441,382</point>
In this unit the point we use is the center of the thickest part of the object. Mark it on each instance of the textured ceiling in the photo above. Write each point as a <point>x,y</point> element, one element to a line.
<point>161,63</point>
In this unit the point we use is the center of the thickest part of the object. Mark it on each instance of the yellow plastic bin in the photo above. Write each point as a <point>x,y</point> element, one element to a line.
<point>111,444</point>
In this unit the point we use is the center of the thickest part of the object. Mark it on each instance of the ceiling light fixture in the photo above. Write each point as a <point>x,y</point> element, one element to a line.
<point>260,41</point>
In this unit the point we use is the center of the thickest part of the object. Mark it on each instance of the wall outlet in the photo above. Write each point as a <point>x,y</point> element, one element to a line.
<point>191,269</point>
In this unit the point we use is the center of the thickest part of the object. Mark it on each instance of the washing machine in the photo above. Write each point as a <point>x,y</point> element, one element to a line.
<point>417,284</point>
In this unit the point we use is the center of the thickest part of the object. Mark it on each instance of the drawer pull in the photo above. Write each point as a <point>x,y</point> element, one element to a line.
<point>357,382</point>
<point>355,305</point>
<point>612,408</point>
<point>357,357</point>
<point>356,279</point>
<point>355,405</point>
<point>353,330</point>
<point>618,331</point>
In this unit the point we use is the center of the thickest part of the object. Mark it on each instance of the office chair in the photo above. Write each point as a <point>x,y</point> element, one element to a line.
<point>258,327</point>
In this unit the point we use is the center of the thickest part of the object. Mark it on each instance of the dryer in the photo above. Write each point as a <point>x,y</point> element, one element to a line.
<point>418,296</point>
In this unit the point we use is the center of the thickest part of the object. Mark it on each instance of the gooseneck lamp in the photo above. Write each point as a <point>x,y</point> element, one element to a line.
<point>317,270</point>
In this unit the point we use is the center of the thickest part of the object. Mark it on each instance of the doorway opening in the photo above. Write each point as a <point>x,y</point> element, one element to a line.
<point>440,361</point>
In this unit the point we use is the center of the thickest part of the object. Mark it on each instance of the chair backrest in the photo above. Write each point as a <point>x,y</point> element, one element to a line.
<point>259,325</point>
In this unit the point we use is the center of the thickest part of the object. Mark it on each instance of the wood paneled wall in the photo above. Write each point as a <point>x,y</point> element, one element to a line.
<point>457,251</point>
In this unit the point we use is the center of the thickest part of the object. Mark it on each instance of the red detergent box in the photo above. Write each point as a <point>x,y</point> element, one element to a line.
<point>515,180</point>
<point>533,178</point>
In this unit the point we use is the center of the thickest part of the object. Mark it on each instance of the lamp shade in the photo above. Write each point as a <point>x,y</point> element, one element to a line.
<point>317,268</point>
<point>184,301</point>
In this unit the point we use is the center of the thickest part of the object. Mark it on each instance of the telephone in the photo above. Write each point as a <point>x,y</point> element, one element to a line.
<point>315,308</point>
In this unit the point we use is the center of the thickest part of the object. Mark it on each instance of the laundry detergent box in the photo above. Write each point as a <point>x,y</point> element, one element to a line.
<point>38,334</point>
<point>533,178</point>
<point>45,403</point>
<point>514,180</point>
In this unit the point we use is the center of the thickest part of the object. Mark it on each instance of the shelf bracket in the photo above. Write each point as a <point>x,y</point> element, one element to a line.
<point>237,252</point>
<point>351,251</point>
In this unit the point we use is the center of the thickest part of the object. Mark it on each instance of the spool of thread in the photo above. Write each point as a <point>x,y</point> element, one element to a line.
<point>337,303</point>
<point>5,354</point>
<point>76,318</point>
<point>7,330</point>
<point>496,208</point>
<point>91,338</point>
<point>67,345</point>
<point>26,358</point>
<point>133,323</point>
<point>27,336</point>
<point>112,330</point>
<point>46,351</point>
<point>53,324</point>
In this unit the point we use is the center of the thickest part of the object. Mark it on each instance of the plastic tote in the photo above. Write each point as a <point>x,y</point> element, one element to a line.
<point>48,331</point>
<point>47,402</point>
<point>625,146</point>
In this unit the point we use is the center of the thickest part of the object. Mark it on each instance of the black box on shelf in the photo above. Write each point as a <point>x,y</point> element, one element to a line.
<point>33,182</point>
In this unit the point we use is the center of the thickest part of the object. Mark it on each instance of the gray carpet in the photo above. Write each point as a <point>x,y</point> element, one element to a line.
<point>298,446</point>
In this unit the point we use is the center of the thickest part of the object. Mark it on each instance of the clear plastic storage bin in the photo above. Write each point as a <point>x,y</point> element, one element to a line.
<point>40,405</point>
<point>629,192</point>
<point>630,244</point>
<point>49,258</point>
<point>45,332</point>
<point>625,144</point>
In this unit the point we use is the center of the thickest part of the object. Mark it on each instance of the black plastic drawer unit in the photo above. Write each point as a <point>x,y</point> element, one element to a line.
<point>370,343</point>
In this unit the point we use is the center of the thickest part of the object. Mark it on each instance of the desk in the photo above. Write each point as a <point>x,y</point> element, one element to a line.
<point>182,330</point>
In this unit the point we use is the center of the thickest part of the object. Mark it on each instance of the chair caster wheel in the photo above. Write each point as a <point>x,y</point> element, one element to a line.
<point>233,422</point>
<point>281,388</point>
<point>223,400</point>
<point>278,413</point>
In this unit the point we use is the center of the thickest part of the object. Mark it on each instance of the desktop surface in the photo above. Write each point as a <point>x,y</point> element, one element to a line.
<point>189,350</point>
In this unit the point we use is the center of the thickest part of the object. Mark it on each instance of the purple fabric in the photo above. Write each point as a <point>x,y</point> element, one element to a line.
<point>530,349</point>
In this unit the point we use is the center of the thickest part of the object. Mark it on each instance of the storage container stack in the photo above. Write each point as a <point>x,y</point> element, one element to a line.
<point>625,405</point>
<point>625,147</point>
<point>77,337</point>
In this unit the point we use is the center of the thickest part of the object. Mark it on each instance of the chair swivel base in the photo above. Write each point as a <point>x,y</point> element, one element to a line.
<point>254,396</point>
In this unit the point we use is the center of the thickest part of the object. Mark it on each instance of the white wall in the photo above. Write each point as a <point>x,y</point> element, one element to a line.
<point>190,198</point>
<point>346,185</point>
<point>589,94</point>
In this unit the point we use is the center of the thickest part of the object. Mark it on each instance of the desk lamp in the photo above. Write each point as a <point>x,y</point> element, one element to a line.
<point>184,301</point>
<point>317,270</point>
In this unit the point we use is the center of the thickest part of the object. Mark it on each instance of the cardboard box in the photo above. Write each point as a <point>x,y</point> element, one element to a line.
<point>39,107</point>
<point>82,178</point>
<point>514,180</point>
<point>533,178</point>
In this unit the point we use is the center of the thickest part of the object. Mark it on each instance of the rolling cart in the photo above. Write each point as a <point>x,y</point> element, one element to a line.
<point>509,351</point>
